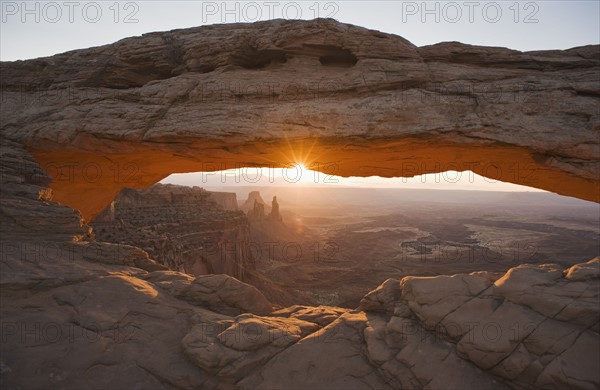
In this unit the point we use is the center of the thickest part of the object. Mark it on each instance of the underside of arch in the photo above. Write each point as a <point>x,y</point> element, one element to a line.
<point>89,181</point>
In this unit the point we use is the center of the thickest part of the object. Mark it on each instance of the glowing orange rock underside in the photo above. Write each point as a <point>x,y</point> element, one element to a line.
<point>89,181</point>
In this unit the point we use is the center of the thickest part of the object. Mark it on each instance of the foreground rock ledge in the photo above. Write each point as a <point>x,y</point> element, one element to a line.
<point>341,99</point>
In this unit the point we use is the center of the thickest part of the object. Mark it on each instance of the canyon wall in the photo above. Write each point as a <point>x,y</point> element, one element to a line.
<point>254,197</point>
<point>187,229</point>
<point>224,200</point>
<point>338,98</point>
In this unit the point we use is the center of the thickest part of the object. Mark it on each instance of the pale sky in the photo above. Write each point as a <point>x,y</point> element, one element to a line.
<point>31,29</point>
<point>299,176</point>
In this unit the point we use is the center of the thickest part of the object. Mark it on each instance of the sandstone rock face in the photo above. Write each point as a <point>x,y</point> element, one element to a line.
<point>225,294</point>
<point>519,327</point>
<point>274,215</point>
<point>256,210</point>
<point>321,315</point>
<point>186,229</point>
<point>339,98</point>
<point>253,199</point>
<point>26,208</point>
<point>224,200</point>
<point>74,313</point>
<point>257,213</point>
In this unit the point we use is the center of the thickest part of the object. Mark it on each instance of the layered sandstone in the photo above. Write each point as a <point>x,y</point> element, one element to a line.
<point>339,98</point>
<point>251,202</point>
<point>187,229</point>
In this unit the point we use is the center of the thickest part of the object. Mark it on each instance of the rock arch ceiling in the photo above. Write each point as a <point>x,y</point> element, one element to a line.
<point>342,99</point>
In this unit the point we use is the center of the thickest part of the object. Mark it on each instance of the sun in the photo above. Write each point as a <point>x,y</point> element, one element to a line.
<point>303,172</point>
<point>299,173</point>
<point>301,167</point>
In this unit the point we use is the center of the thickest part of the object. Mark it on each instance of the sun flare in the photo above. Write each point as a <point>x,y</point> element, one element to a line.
<point>301,167</point>
<point>302,174</point>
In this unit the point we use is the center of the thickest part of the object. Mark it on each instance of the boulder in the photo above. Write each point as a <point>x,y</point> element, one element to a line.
<point>433,298</point>
<point>383,298</point>
<point>225,294</point>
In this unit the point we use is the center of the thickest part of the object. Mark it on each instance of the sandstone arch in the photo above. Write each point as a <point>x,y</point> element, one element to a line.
<point>343,99</point>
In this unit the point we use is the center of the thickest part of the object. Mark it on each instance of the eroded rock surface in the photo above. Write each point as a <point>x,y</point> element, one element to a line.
<point>518,327</point>
<point>187,229</point>
<point>223,293</point>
